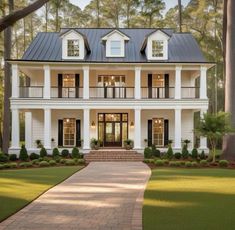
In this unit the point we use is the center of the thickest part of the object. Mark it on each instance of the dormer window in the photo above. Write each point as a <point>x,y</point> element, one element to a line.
<point>115,47</point>
<point>114,42</point>
<point>73,48</point>
<point>157,48</point>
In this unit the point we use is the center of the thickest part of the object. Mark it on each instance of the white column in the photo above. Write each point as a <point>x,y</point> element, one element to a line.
<point>203,140</point>
<point>86,129</point>
<point>47,82</point>
<point>177,128</point>
<point>28,130</point>
<point>137,82</point>
<point>86,82</point>
<point>47,128</point>
<point>178,82</point>
<point>137,135</point>
<point>203,83</point>
<point>15,81</point>
<point>15,129</point>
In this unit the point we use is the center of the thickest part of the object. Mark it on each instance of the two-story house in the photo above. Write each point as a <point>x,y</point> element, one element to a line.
<point>109,84</point>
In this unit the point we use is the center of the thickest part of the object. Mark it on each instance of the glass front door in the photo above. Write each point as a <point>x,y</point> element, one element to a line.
<point>112,129</point>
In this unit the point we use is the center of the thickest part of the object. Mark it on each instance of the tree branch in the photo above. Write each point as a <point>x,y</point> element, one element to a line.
<point>19,14</point>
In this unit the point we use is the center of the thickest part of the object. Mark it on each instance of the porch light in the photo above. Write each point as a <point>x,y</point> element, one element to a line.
<point>132,124</point>
<point>92,124</point>
<point>67,120</point>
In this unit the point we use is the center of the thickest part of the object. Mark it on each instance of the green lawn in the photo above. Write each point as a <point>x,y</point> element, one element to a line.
<point>19,187</point>
<point>190,199</point>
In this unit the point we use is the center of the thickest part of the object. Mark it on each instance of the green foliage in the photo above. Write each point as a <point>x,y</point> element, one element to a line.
<point>65,153</point>
<point>52,162</point>
<point>174,164</point>
<point>149,161</point>
<point>43,152</point>
<point>25,164</point>
<point>170,153</point>
<point>214,127</point>
<point>3,158</point>
<point>223,163</point>
<point>23,154</point>
<point>185,153</point>
<point>128,144</point>
<point>202,155</point>
<point>75,153</point>
<point>194,153</point>
<point>55,153</point>
<point>166,162</point>
<point>147,153</point>
<point>35,161</point>
<point>80,161</point>
<point>57,159</point>
<point>44,164</point>
<point>13,157</point>
<point>194,164</point>
<point>62,161</point>
<point>33,156</point>
<point>70,162</point>
<point>155,152</point>
<point>13,165</point>
<point>188,164</point>
<point>2,166</point>
<point>159,162</point>
<point>203,163</point>
<point>177,155</point>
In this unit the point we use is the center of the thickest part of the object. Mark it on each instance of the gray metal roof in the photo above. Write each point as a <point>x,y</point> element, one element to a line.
<point>48,47</point>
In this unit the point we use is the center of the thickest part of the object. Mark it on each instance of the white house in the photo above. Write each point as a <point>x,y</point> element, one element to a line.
<point>109,84</point>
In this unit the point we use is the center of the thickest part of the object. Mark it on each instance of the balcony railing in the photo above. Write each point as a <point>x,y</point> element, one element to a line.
<point>31,92</point>
<point>66,92</point>
<point>157,92</point>
<point>190,92</point>
<point>109,92</point>
<point>112,92</point>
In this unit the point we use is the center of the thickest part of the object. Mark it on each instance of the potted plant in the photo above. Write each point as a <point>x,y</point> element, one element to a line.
<point>95,144</point>
<point>39,144</point>
<point>128,144</point>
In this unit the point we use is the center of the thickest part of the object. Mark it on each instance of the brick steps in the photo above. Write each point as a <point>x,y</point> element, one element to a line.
<point>113,155</point>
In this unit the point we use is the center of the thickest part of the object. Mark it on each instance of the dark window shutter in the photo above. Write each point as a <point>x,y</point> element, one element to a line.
<point>27,81</point>
<point>60,132</point>
<point>77,84</point>
<point>150,85</point>
<point>166,132</point>
<point>166,85</point>
<point>78,133</point>
<point>60,85</point>
<point>150,133</point>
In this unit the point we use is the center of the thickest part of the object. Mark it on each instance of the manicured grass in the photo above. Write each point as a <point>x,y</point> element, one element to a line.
<point>19,187</point>
<point>190,199</point>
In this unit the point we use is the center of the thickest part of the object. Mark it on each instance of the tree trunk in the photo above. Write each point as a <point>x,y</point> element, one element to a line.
<point>229,140</point>
<point>7,84</point>
<point>180,15</point>
<point>98,13</point>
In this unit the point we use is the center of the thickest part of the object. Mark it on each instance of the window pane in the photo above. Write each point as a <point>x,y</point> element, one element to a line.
<point>69,132</point>
<point>158,132</point>
<point>115,47</point>
<point>157,48</point>
<point>73,48</point>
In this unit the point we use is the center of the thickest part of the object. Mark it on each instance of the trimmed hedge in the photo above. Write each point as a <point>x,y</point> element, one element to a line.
<point>70,162</point>
<point>75,153</point>
<point>177,155</point>
<point>3,158</point>
<point>223,163</point>
<point>13,157</point>
<point>159,162</point>
<point>33,156</point>
<point>65,153</point>
<point>23,154</point>
<point>55,153</point>
<point>203,163</point>
<point>147,152</point>
<point>43,152</point>
<point>52,162</point>
<point>44,164</point>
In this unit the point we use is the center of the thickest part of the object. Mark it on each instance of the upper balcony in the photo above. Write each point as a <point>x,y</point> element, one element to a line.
<point>135,83</point>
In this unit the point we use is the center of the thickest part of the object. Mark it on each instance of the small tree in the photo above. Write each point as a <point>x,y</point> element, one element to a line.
<point>75,153</point>
<point>43,152</point>
<point>214,127</point>
<point>23,154</point>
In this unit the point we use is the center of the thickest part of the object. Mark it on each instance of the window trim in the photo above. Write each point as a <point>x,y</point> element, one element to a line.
<point>116,47</point>
<point>64,120</point>
<point>156,48</point>
<point>74,50</point>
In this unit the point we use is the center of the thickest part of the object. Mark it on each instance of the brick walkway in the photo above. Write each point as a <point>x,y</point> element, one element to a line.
<point>101,196</point>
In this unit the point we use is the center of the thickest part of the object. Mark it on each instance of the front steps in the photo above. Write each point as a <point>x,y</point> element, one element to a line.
<point>113,155</point>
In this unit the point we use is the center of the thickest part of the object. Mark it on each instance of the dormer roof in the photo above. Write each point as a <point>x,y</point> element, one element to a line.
<point>109,34</point>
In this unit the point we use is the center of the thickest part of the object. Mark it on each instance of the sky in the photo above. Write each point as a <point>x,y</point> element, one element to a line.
<point>169,3</point>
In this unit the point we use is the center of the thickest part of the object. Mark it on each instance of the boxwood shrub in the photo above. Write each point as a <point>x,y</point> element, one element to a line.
<point>3,158</point>
<point>203,155</point>
<point>223,163</point>
<point>174,164</point>
<point>188,164</point>
<point>194,153</point>
<point>203,163</point>
<point>147,152</point>
<point>13,157</point>
<point>155,152</point>
<point>75,153</point>
<point>33,156</point>
<point>65,153</point>
<point>13,165</point>
<point>43,152</point>
<point>25,164</point>
<point>165,161</point>
<point>170,153</point>
<point>177,155</point>
<point>159,162</point>
<point>70,162</point>
<point>62,161</point>
<point>23,154</point>
<point>55,153</point>
<point>44,164</point>
<point>194,164</point>
<point>52,162</point>
<point>2,166</point>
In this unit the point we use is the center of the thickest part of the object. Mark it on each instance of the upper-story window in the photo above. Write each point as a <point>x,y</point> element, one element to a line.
<point>157,48</point>
<point>115,47</point>
<point>73,48</point>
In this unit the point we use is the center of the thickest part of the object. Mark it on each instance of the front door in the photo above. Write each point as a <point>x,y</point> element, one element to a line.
<point>112,129</point>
